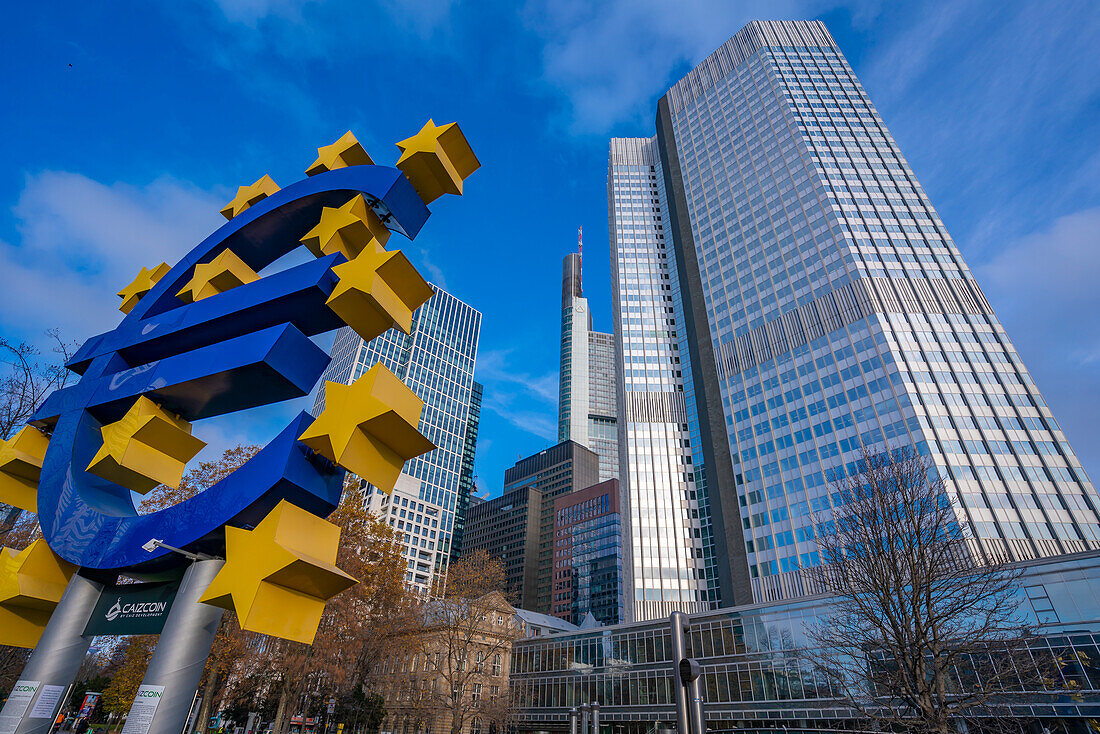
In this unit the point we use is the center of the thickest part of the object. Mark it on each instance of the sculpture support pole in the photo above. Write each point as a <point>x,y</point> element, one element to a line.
<point>57,656</point>
<point>176,667</point>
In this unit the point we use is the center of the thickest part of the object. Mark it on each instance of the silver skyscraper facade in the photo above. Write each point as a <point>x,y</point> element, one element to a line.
<point>436,360</point>
<point>586,390</point>
<point>670,559</point>
<point>829,310</point>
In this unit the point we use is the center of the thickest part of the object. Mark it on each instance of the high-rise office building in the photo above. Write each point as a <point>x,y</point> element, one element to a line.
<point>555,471</point>
<point>670,560</point>
<point>507,527</point>
<point>586,392</point>
<point>417,523</point>
<point>466,483</point>
<point>777,261</point>
<point>436,360</point>
<point>588,555</point>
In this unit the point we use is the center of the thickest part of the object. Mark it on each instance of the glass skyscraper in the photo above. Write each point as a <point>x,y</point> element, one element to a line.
<point>586,390</point>
<point>670,561</point>
<point>436,360</point>
<point>823,308</point>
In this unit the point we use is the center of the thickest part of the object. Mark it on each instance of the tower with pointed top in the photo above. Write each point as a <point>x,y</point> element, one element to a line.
<point>586,393</point>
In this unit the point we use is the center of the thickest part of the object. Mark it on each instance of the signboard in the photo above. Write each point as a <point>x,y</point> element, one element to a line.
<point>132,609</point>
<point>18,701</point>
<point>143,710</point>
<point>46,705</point>
<point>91,698</point>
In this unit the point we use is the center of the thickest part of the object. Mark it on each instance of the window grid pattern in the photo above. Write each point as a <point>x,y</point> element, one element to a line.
<point>796,191</point>
<point>436,361</point>
<point>667,563</point>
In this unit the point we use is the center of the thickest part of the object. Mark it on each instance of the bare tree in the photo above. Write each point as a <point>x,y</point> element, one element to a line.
<point>456,671</point>
<point>919,631</point>
<point>27,380</point>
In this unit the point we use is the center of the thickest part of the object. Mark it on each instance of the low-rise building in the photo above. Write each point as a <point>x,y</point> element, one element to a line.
<point>450,675</point>
<point>755,676</point>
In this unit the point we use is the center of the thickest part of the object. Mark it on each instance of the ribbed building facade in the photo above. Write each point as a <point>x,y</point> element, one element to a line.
<point>436,360</point>
<point>829,310</point>
<point>670,558</point>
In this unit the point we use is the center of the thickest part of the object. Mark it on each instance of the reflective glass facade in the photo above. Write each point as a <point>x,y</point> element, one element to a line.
<point>753,675</point>
<point>588,551</point>
<point>669,557</point>
<point>436,360</point>
<point>838,313</point>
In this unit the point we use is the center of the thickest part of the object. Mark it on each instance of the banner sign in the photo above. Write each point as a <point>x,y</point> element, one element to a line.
<point>91,698</point>
<point>132,609</point>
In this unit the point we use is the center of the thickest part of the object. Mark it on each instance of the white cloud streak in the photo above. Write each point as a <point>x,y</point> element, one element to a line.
<point>82,241</point>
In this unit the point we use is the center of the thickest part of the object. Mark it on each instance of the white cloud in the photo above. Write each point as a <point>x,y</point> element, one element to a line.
<point>538,423</point>
<point>986,106</point>
<point>493,367</point>
<point>526,401</point>
<point>82,241</point>
<point>613,59</point>
<point>1056,270</point>
<point>1044,290</point>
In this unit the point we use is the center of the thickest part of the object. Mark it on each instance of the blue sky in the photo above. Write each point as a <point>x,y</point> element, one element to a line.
<point>128,125</point>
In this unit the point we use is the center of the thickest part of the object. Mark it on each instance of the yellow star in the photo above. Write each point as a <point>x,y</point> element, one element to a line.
<point>217,276</point>
<point>349,230</point>
<point>369,427</point>
<point>249,195</point>
<point>31,584</point>
<point>344,152</point>
<point>378,291</point>
<point>146,447</point>
<point>278,577</point>
<point>141,285</point>
<point>20,467</point>
<point>437,160</point>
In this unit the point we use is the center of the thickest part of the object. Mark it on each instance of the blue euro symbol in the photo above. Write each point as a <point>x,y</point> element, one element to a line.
<point>243,348</point>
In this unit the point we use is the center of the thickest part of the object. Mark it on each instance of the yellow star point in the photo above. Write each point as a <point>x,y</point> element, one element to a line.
<point>369,427</point>
<point>249,195</point>
<point>344,152</point>
<point>146,447</point>
<point>31,584</point>
<point>378,291</point>
<point>437,160</point>
<point>224,272</point>
<point>141,285</point>
<point>21,459</point>
<point>278,576</point>
<point>348,229</point>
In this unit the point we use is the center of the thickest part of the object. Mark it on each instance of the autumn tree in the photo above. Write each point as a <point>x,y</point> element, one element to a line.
<point>919,631</point>
<point>458,668</point>
<point>131,658</point>
<point>133,653</point>
<point>356,625</point>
